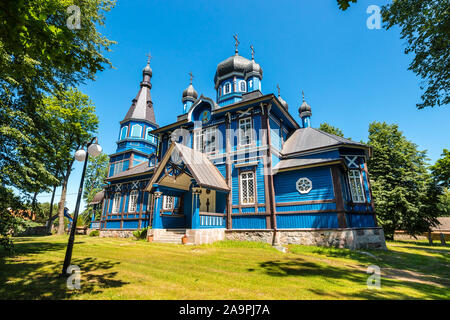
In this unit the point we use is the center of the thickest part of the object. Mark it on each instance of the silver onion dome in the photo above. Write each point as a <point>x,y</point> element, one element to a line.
<point>189,93</point>
<point>304,110</point>
<point>254,68</point>
<point>283,103</point>
<point>148,70</point>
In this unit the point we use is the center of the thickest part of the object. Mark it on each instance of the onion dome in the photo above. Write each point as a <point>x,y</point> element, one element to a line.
<point>147,70</point>
<point>305,109</point>
<point>283,103</point>
<point>234,64</point>
<point>189,93</point>
<point>254,68</point>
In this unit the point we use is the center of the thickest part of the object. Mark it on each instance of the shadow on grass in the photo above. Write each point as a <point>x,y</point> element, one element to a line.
<point>21,277</point>
<point>401,271</point>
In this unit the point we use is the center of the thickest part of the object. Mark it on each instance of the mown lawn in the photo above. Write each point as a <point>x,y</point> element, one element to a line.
<point>128,269</point>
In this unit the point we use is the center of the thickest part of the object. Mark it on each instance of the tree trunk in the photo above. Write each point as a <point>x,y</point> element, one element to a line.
<point>33,207</point>
<point>50,214</point>
<point>62,201</point>
<point>61,205</point>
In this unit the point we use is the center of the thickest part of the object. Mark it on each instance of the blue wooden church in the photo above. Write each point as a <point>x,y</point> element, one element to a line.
<point>238,166</point>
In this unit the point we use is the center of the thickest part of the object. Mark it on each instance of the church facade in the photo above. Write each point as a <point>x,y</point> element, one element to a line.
<point>238,166</point>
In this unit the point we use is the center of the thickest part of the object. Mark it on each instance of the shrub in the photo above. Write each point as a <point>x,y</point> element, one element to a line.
<point>140,233</point>
<point>94,233</point>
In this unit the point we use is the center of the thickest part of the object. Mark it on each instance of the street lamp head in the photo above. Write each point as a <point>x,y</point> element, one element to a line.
<point>80,155</point>
<point>95,149</point>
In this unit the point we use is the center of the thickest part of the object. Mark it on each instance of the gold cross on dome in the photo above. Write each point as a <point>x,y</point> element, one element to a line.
<point>253,52</point>
<point>191,76</point>
<point>149,57</point>
<point>236,42</point>
<point>278,87</point>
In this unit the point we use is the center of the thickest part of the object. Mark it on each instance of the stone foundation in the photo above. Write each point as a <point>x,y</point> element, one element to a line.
<point>116,233</point>
<point>352,238</point>
<point>205,236</point>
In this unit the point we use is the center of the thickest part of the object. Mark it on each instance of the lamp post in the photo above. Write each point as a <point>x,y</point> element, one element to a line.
<point>93,149</point>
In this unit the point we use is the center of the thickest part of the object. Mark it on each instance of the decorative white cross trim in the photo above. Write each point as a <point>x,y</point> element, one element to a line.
<point>135,185</point>
<point>352,161</point>
<point>119,187</point>
<point>245,113</point>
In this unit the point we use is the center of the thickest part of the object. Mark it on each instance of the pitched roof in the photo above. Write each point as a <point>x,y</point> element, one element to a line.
<point>140,168</point>
<point>444,224</point>
<point>98,197</point>
<point>142,106</point>
<point>306,139</point>
<point>204,172</point>
<point>295,163</point>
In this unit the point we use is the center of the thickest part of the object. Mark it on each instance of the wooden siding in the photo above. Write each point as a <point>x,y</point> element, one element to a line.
<point>131,224</point>
<point>360,220</point>
<point>286,190</point>
<point>308,220</point>
<point>249,222</point>
<point>307,207</point>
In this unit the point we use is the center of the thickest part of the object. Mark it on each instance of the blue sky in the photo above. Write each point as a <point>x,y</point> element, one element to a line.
<point>351,75</point>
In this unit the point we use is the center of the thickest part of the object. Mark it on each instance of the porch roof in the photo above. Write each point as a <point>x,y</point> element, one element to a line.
<point>203,171</point>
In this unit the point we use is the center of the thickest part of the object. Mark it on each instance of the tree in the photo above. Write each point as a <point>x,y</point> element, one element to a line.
<point>444,204</point>
<point>330,129</point>
<point>441,169</point>
<point>425,26</point>
<point>404,192</point>
<point>95,179</point>
<point>73,123</point>
<point>40,56</point>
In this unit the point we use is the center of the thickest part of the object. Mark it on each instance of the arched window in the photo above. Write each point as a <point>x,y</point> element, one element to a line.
<point>227,88</point>
<point>116,203</point>
<point>133,201</point>
<point>149,136</point>
<point>123,132</point>
<point>136,131</point>
<point>242,86</point>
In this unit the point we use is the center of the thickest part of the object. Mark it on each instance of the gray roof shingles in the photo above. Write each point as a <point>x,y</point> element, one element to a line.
<point>305,139</point>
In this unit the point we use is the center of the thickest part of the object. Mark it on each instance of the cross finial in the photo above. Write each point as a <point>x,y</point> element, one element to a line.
<point>149,57</point>
<point>303,96</point>
<point>253,52</point>
<point>236,42</point>
<point>191,76</point>
<point>278,87</point>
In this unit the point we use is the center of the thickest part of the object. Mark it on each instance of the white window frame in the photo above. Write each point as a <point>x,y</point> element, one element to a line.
<point>149,136</point>
<point>247,193</point>
<point>205,140</point>
<point>248,127</point>
<point>225,87</point>
<point>121,132</point>
<point>168,202</point>
<point>132,203</point>
<point>304,185</point>
<point>242,82</point>
<point>118,167</point>
<point>356,186</point>
<point>132,130</point>
<point>116,202</point>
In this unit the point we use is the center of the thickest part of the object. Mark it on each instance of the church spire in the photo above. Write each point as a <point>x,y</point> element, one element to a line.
<point>142,105</point>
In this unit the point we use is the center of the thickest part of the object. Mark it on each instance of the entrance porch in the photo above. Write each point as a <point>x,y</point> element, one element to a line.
<point>189,198</point>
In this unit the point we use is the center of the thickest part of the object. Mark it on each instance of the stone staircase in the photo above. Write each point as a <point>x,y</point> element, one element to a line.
<point>170,236</point>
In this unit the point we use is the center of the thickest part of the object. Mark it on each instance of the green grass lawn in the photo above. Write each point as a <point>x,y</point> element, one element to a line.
<point>128,269</point>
